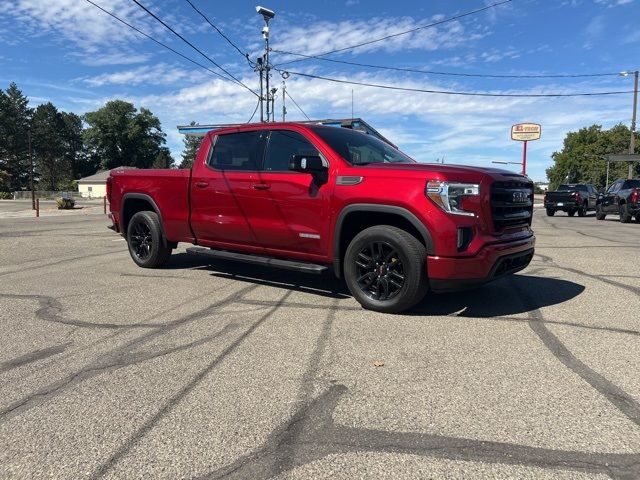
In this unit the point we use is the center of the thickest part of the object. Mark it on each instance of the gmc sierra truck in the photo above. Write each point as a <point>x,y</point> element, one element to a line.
<point>622,198</point>
<point>315,198</point>
<point>571,198</point>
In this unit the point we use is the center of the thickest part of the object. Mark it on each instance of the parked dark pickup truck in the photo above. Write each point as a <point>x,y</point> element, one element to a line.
<point>311,198</point>
<point>571,198</point>
<point>622,198</point>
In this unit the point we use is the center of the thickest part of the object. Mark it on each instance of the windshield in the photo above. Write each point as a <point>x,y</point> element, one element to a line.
<point>358,148</point>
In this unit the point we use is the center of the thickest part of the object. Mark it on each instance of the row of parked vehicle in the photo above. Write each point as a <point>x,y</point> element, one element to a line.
<point>621,198</point>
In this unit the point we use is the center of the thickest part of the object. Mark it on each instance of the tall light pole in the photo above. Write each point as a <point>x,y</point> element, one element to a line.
<point>632,143</point>
<point>266,15</point>
<point>33,192</point>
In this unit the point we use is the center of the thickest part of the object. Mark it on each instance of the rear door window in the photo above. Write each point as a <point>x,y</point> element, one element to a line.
<point>241,151</point>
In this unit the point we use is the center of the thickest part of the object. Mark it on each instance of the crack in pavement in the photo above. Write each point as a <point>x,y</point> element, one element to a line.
<point>175,400</point>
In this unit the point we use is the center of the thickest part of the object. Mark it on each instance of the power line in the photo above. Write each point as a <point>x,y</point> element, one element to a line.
<point>422,27</point>
<point>160,43</point>
<point>244,54</point>
<point>191,45</point>
<point>467,94</point>
<point>254,111</point>
<point>455,74</point>
<point>296,104</point>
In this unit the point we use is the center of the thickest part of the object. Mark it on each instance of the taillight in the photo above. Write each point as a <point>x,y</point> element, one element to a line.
<point>545,197</point>
<point>109,180</point>
<point>578,197</point>
<point>635,195</point>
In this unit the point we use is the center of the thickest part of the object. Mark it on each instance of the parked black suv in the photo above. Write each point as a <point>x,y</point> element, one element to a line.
<point>622,198</point>
<point>571,198</point>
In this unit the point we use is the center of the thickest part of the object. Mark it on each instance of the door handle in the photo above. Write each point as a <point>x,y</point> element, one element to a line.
<point>261,186</point>
<point>202,184</point>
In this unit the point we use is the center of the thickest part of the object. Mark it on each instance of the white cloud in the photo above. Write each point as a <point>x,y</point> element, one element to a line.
<point>160,74</point>
<point>613,3</point>
<point>115,58</point>
<point>323,36</point>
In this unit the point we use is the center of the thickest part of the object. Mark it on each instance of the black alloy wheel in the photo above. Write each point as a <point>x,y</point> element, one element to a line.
<point>141,240</point>
<point>582,211</point>
<point>380,271</point>
<point>147,245</point>
<point>600,215</point>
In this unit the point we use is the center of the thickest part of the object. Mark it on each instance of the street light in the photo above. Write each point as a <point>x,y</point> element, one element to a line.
<point>632,143</point>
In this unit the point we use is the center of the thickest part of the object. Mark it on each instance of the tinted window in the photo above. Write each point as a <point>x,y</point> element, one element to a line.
<point>632,184</point>
<point>358,148</point>
<point>616,186</point>
<point>283,145</point>
<point>572,188</point>
<point>237,151</point>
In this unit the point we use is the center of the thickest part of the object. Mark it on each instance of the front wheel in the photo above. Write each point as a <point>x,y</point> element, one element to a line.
<point>550,212</point>
<point>600,215</point>
<point>571,213</point>
<point>384,268</point>
<point>147,245</point>
<point>625,216</point>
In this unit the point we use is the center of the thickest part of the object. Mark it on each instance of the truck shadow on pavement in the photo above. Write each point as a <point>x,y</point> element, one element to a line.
<point>496,299</point>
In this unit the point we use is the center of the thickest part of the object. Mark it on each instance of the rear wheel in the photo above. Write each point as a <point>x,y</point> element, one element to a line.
<point>600,215</point>
<point>550,212</point>
<point>625,216</point>
<point>384,268</point>
<point>571,213</point>
<point>582,211</point>
<point>147,245</point>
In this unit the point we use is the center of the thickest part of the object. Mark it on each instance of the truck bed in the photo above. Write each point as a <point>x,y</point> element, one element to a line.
<point>167,188</point>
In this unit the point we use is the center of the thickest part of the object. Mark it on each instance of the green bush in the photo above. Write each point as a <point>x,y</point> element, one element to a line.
<point>6,196</point>
<point>65,203</point>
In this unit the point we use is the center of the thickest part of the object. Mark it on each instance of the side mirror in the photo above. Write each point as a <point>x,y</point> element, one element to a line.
<point>307,164</point>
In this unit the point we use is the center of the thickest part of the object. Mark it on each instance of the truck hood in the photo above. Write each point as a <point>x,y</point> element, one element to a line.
<point>446,170</point>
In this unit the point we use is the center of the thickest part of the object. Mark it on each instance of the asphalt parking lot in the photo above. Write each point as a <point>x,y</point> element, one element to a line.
<point>221,370</point>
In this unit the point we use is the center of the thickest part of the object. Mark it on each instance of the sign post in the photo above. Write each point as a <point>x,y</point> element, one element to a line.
<point>525,132</point>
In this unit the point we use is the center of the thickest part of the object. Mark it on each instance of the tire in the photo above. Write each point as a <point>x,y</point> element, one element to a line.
<point>147,245</point>
<point>582,211</point>
<point>600,215</point>
<point>399,274</point>
<point>571,213</point>
<point>550,212</point>
<point>625,216</point>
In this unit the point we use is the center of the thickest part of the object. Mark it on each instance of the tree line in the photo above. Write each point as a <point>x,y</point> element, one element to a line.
<point>64,147</point>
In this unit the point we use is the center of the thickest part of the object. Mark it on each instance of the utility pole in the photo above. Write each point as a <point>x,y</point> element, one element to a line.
<point>632,142</point>
<point>259,69</point>
<point>284,95</point>
<point>266,15</point>
<point>33,192</point>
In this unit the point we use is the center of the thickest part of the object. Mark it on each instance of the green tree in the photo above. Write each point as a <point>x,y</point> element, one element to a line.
<point>582,156</point>
<point>163,159</point>
<point>191,147</point>
<point>121,136</point>
<point>52,165</point>
<point>15,117</point>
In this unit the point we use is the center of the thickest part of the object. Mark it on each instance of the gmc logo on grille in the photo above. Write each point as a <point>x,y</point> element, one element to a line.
<point>519,197</point>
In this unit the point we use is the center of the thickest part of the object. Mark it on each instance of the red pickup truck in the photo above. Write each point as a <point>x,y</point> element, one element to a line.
<point>314,198</point>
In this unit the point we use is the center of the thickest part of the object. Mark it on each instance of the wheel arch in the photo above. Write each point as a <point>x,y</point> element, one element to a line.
<point>356,217</point>
<point>133,203</point>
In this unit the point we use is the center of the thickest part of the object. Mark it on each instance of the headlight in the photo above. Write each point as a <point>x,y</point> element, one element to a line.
<point>449,195</point>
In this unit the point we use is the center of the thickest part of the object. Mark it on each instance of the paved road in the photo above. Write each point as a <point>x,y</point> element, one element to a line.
<point>229,371</point>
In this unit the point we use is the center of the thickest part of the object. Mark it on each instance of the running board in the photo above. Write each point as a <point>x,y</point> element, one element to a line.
<point>259,260</point>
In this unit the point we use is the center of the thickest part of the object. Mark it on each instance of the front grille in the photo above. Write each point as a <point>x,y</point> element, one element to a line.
<point>511,204</point>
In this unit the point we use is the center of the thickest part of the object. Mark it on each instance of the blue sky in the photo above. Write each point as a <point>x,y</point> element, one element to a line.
<point>70,53</point>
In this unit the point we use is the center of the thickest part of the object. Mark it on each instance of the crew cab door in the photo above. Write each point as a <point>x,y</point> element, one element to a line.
<point>610,198</point>
<point>593,196</point>
<point>295,207</point>
<point>223,195</point>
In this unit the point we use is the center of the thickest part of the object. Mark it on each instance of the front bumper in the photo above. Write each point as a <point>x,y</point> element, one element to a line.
<point>493,261</point>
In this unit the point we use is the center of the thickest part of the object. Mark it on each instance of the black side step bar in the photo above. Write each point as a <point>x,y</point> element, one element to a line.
<point>259,260</point>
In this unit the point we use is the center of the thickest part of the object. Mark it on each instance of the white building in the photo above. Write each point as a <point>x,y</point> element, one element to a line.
<point>95,186</point>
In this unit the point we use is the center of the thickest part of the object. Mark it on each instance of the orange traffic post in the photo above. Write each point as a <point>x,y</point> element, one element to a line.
<point>37,207</point>
<point>104,205</point>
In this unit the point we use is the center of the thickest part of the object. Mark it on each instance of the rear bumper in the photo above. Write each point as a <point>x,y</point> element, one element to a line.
<point>493,261</point>
<point>566,206</point>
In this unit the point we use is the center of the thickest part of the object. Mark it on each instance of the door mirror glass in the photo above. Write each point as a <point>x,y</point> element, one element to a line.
<point>307,164</point>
